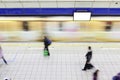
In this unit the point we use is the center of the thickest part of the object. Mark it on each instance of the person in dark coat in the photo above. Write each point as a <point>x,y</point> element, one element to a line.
<point>87,66</point>
<point>95,75</point>
<point>7,78</point>
<point>1,55</point>
<point>47,42</point>
<point>116,77</point>
<point>88,56</point>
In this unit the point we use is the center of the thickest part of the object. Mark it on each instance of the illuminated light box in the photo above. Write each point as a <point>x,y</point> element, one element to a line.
<point>82,16</point>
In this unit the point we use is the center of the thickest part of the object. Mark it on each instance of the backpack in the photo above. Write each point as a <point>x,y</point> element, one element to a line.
<point>49,41</point>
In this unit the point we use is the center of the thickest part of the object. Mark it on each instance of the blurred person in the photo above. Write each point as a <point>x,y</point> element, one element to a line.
<point>25,26</point>
<point>116,77</point>
<point>1,56</point>
<point>47,42</point>
<point>60,26</point>
<point>87,66</point>
<point>108,26</point>
<point>7,78</point>
<point>89,54</point>
<point>118,74</point>
<point>88,59</point>
<point>95,75</point>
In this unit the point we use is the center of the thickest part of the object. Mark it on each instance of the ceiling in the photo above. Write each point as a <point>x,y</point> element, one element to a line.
<point>59,3</point>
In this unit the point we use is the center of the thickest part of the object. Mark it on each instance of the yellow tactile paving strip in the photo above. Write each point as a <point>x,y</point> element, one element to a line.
<point>61,44</point>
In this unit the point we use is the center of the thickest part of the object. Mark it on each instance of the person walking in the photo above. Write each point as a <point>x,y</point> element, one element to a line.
<point>1,55</point>
<point>47,42</point>
<point>6,78</point>
<point>88,56</point>
<point>95,75</point>
<point>116,77</point>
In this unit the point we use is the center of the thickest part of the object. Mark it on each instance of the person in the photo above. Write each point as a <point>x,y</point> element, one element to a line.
<point>118,74</point>
<point>116,77</point>
<point>95,75</point>
<point>108,26</point>
<point>47,42</point>
<point>88,56</point>
<point>1,56</point>
<point>87,66</point>
<point>7,78</point>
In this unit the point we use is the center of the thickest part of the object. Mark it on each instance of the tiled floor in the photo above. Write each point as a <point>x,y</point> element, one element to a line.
<point>65,63</point>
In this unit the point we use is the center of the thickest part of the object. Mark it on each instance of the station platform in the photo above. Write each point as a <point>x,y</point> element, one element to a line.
<point>66,61</point>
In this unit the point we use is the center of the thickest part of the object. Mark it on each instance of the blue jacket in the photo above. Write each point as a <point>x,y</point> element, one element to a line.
<point>117,77</point>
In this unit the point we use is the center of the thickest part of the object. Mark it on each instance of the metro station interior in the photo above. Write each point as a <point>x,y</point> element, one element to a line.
<point>25,25</point>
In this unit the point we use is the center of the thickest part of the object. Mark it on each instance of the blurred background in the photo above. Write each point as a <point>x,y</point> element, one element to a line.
<point>64,30</point>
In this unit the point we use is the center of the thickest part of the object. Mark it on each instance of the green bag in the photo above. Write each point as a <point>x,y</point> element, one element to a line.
<point>45,52</point>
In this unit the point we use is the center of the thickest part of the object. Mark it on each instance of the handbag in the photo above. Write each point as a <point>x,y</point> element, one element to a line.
<point>45,52</point>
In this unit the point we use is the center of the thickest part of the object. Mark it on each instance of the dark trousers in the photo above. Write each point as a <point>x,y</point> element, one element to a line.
<point>4,60</point>
<point>85,67</point>
<point>46,47</point>
<point>87,64</point>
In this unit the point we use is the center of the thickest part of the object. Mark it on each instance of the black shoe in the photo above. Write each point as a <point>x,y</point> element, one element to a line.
<point>48,54</point>
<point>84,69</point>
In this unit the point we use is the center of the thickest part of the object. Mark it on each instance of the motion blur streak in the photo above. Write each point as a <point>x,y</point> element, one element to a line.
<point>33,29</point>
